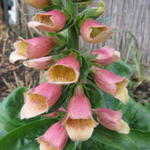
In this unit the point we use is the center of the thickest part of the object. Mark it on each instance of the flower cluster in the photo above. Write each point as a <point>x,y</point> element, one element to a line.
<point>80,119</point>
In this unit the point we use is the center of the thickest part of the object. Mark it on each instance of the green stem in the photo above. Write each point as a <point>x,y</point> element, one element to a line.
<point>73,38</point>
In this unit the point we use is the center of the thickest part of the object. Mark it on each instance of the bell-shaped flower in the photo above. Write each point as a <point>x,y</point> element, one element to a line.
<point>32,48</point>
<point>39,63</point>
<point>52,21</point>
<point>111,83</point>
<point>65,71</point>
<point>106,55</point>
<point>79,122</point>
<point>39,99</point>
<point>112,120</point>
<point>94,32</point>
<point>54,138</point>
<point>39,3</point>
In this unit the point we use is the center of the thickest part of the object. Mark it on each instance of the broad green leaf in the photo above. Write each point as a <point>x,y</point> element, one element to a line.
<point>10,108</point>
<point>120,68</point>
<point>70,145</point>
<point>94,145</point>
<point>142,139</point>
<point>94,94</point>
<point>137,115</point>
<point>110,101</point>
<point>24,137</point>
<point>104,139</point>
<point>111,138</point>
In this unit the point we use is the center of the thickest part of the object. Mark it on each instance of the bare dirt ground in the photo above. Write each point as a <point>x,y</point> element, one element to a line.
<point>12,75</point>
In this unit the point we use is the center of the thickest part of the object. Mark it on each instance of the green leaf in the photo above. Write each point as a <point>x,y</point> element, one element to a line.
<point>120,68</point>
<point>136,115</point>
<point>84,69</point>
<point>142,139</point>
<point>94,145</point>
<point>104,139</point>
<point>119,141</point>
<point>24,137</point>
<point>94,94</point>
<point>10,108</point>
<point>70,145</point>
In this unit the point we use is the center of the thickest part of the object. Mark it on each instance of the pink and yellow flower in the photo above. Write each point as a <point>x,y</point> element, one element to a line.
<point>112,120</point>
<point>79,122</point>
<point>52,21</point>
<point>106,55</point>
<point>65,71</point>
<point>32,48</point>
<point>39,99</point>
<point>94,32</point>
<point>111,83</point>
<point>54,138</point>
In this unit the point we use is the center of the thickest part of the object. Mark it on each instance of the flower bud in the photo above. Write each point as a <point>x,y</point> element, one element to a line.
<point>94,32</point>
<point>106,55</point>
<point>79,122</point>
<point>112,120</point>
<point>111,83</point>
<point>39,3</point>
<point>39,63</point>
<point>65,71</point>
<point>32,48</point>
<point>54,138</point>
<point>95,12</point>
<point>39,99</point>
<point>52,21</point>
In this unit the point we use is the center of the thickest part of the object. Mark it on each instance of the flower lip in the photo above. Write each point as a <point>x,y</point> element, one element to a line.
<point>65,71</point>
<point>62,74</point>
<point>94,32</point>
<point>80,129</point>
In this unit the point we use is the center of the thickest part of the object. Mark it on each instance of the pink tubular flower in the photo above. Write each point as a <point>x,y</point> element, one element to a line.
<point>39,3</point>
<point>39,99</point>
<point>52,21</point>
<point>112,120</point>
<point>111,83</point>
<point>39,63</point>
<point>54,138</point>
<point>32,48</point>
<point>79,122</point>
<point>94,32</point>
<point>65,71</point>
<point>106,55</point>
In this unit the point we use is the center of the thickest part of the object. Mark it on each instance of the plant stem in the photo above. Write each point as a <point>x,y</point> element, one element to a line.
<point>73,38</point>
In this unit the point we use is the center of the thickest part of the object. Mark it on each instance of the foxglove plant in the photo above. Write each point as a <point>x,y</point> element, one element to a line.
<point>69,70</point>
